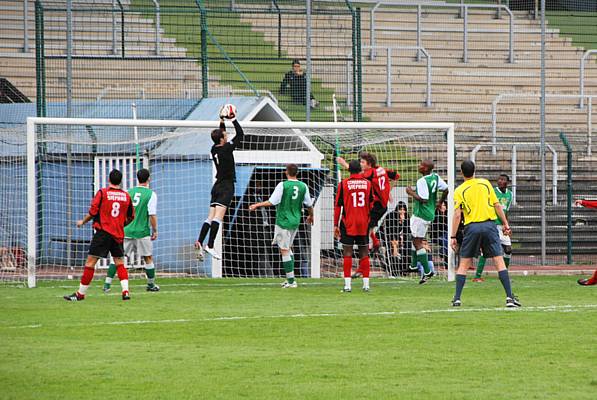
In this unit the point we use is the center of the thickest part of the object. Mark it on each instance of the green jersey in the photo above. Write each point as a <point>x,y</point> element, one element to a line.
<point>289,198</point>
<point>505,199</point>
<point>427,188</point>
<point>145,202</point>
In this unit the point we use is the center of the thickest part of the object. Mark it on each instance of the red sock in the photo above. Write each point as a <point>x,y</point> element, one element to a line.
<point>593,279</point>
<point>347,266</point>
<point>122,272</point>
<point>365,266</point>
<point>374,239</point>
<point>87,276</point>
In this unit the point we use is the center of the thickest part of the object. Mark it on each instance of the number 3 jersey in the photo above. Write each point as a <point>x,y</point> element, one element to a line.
<point>110,209</point>
<point>354,197</point>
<point>145,202</point>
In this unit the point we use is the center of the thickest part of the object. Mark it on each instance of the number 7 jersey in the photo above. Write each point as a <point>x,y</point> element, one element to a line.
<point>354,197</point>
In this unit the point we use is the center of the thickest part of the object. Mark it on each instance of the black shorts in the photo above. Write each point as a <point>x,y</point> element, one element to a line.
<point>104,243</point>
<point>349,240</point>
<point>222,193</point>
<point>481,235</point>
<point>376,214</point>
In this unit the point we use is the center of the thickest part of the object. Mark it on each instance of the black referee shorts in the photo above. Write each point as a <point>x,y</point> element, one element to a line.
<point>481,235</point>
<point>222,193</point>
<point>104,243</point>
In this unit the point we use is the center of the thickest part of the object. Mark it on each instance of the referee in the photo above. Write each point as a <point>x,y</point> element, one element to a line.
<point>475,199</point>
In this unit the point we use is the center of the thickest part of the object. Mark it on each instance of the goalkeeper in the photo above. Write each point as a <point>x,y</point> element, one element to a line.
<point>289,197</point>
<point>139,234</point>
<point>222,154</point>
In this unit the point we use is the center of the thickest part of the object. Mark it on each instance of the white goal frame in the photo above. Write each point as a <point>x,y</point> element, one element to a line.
<point>32,122</point>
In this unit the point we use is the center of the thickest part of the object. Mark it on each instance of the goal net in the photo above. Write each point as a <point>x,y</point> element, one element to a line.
<point>68,160</point>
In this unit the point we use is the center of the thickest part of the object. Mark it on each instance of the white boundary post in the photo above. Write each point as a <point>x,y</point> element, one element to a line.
<point>31,206</point>
<point>451,182</point>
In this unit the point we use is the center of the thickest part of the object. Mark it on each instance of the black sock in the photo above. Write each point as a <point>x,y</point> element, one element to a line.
<point>460,280</point>
<point>204,229</point>
<point>213,232</point>
<point>505,279</point>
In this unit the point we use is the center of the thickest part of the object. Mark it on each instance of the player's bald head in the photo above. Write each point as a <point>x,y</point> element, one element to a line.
<point>426,166</point>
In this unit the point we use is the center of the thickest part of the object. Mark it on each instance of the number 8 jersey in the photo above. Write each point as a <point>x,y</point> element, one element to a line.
<point>110,208</point>
<point>354,197</point>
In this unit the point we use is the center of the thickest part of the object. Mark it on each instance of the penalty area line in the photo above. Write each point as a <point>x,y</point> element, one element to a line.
<point>550,308</point>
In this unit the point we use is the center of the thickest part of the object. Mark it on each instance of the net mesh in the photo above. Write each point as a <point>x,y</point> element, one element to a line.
<point>74,160</point>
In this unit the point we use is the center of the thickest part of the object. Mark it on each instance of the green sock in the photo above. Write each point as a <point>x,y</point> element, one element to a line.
<point>288,264</point>
<point>507,258</point>
<point>110,275</point>
<point>150,272</point>
<point>480,267</point>
<point>423,258</point>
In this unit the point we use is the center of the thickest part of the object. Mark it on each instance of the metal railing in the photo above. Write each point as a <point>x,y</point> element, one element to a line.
<point>501,96</point>
<point>389,50</point>
<point>514,166</point>
<point>464,11</point>
<point>120,9</point>
<point>583,60</point>
<point>26,26</point>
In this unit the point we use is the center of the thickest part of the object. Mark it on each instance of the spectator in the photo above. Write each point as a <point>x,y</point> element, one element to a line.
<point>295,85</point>
<point>397,232</point>
<point>439,230</point>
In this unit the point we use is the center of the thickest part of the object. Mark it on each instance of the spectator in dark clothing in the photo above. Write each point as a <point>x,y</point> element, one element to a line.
<point>439,230</point>
<point>397,232</point>
<point>295,85</point>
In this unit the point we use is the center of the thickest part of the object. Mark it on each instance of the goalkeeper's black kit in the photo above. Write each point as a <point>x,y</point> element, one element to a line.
<point>223,158</point>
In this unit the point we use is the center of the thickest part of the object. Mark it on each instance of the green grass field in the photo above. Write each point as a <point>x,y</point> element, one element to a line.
<point>230,339</point>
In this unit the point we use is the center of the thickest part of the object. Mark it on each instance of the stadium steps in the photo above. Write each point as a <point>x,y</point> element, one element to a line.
<point>93,78</point>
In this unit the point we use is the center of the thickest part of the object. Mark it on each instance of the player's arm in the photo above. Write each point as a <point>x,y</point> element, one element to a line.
<point>94,209</point>
<point>274,199</point>
<point>499,210</point>
<point>308,202</point>
<point>422,192</point>
<point>130,212</point>
<point>240,134</point>
<point>393,175</point>
<point>337,210</point>
<point>443,186</point>
<point>342,162</point>
<point>586,203</point>
<point>153,215</point>
<point>455,225</point>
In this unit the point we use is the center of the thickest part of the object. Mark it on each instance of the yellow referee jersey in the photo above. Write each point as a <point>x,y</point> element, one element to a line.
<point>476,197</point>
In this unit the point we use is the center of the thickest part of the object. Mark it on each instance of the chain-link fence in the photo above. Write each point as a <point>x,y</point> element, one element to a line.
<point>170,54</point>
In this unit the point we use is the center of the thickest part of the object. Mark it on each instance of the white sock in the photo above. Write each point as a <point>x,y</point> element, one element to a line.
<point>366,283</point>
<point>83,288</point>
<point>125,285</point>
<point>151,281</point>
<point>108,280</point>
<point>347,282</point>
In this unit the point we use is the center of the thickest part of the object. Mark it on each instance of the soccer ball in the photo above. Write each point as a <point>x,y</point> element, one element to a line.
<point>228,111</point>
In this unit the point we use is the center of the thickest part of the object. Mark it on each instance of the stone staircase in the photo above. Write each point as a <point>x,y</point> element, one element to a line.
<point>101,74</point>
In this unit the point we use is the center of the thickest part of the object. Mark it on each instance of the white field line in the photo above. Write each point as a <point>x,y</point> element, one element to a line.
<point>551,308</point>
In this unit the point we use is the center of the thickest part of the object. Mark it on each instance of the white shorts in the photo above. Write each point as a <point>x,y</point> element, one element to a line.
<point>504,240</point>
<point>284,237</point>
<point>418,227</point>
<point>140,247</point>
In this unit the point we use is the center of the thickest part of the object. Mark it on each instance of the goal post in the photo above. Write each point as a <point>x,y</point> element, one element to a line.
<point>182,174</point>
